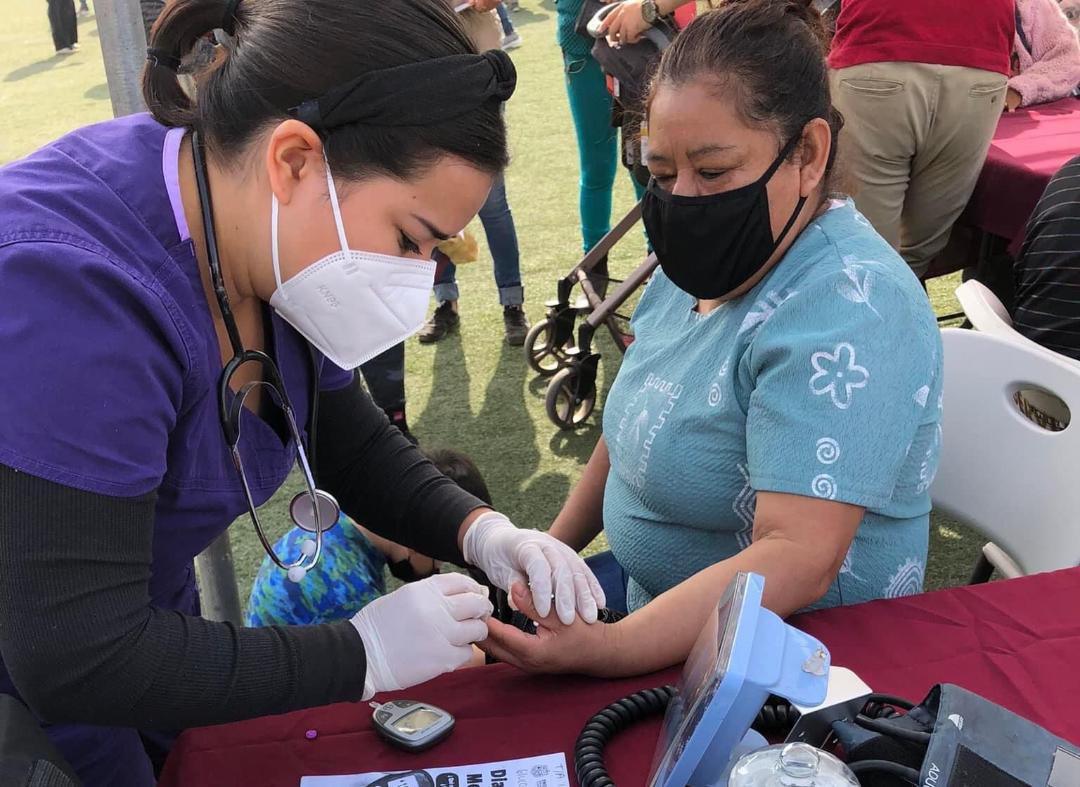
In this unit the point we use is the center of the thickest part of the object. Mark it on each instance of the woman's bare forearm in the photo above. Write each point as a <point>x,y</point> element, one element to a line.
<point>582,517</point>
<point>661,633</point>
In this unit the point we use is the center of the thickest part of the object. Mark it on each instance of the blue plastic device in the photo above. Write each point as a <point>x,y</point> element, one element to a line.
<point>743,654</point>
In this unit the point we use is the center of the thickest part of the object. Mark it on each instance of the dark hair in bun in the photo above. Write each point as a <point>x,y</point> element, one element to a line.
<point>280,53</point>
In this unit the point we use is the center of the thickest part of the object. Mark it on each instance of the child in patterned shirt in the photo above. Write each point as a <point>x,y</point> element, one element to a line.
<point>350,572</point>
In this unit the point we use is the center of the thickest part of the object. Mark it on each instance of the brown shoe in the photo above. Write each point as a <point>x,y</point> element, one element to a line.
<point>443,321</point>
<point>516,325</point>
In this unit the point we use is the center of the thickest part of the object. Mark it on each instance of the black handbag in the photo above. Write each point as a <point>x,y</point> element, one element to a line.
<point>633,64</point>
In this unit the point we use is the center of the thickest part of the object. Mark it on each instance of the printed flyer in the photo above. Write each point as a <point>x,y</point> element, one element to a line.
<point>545,771</point>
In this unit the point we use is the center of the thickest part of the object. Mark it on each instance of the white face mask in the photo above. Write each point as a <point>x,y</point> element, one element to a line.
<point>352,305</point>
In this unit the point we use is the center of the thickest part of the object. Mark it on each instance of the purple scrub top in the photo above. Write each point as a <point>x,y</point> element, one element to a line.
<point>109,361</point>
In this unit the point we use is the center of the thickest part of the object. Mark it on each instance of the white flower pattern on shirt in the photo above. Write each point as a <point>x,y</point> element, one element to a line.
<point>837,374</point>
<point>860,284</point>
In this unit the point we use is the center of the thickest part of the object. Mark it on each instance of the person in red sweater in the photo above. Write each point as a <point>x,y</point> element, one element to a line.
<point>921,85</point>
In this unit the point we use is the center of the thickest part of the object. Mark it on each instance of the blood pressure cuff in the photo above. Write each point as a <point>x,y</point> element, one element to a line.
<point>973,743</point>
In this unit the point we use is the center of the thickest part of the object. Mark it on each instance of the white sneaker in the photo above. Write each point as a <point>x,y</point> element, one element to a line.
<point>67,50</point>
<point>84,13</point>
<point>75,47</point>
<point>512,41</point>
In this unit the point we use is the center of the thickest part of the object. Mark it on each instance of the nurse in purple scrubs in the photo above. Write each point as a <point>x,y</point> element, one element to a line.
<point>183,298</point>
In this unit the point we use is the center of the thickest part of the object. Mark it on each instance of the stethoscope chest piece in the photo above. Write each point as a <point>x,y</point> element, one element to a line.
<point>302,510</point>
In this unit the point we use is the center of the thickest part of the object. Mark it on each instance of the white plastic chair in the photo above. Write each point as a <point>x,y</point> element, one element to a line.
<point>989,315</point>
<point>999,472</point>
<point>985,311</point>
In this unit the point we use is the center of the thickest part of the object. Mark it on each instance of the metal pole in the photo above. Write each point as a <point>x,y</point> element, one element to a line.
<point>123,48</point>
<point>214,573</point>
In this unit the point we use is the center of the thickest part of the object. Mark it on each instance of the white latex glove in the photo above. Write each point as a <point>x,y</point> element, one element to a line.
<point>421,630</point>
<point>508,554</point>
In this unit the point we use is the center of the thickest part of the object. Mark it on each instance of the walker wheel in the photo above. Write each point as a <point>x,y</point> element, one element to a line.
<point>541,354</point>
<point>567,406</point>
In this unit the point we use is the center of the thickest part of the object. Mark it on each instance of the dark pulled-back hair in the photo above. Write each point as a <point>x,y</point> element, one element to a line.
<point>284,52</point>
<point>460,469</point>
<point>768,56</point>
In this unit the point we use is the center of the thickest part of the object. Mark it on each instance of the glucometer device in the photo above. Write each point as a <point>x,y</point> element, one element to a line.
<point>411,725</point>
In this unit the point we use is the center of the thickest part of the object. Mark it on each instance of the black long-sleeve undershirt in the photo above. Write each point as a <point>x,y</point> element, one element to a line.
<point>401,496</point>
<point>82,643</point>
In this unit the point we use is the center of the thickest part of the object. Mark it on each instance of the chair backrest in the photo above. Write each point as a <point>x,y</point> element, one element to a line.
<point>986,312</point>
<point>1002,474</point>
<point>989,315</point>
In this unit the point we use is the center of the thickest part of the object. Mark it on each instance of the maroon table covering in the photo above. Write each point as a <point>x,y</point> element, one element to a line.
<point>1029,146</point>
<point>1016,643</point>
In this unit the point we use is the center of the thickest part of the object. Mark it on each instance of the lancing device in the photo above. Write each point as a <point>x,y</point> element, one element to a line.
<point>411,725</point>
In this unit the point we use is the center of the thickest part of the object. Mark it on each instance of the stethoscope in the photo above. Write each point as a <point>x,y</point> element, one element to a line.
<point>313,510</point>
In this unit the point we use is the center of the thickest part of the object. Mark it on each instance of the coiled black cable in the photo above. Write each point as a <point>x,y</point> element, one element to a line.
<point>778,715</point>
<point>601,728</point>
<point>884,706</point>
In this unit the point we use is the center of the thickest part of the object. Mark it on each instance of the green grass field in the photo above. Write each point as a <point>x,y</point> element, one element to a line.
<point>470,392</point>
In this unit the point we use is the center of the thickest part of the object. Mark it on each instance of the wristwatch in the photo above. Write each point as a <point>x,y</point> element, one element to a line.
<point>649,12</point>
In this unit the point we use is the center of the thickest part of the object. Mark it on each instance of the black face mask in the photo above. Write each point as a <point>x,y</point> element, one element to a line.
<point>710,246</point>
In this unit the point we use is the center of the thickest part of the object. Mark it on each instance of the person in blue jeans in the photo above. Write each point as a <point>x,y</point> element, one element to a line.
<point>511,38</point>
<point>502,239</point>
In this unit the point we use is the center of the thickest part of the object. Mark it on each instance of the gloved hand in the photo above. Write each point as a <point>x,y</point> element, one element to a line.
<point>421,630</point>
<point>508,554</point>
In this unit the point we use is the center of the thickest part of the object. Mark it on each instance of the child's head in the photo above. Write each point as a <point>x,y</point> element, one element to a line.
<point>460,469</point>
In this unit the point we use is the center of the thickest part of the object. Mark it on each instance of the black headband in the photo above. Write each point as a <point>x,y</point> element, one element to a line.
<point>415,94</point>
<point>159,57</point>
<point>228,19</point>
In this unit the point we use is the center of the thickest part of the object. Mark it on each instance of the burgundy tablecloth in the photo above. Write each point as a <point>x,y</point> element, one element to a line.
<point>1029,146</point>
<point>1015,642</point>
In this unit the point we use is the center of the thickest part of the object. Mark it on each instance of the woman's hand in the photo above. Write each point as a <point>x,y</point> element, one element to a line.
<point>509,554</point>
<point>1012,100</point>
<point>625,25</point>
<point>555,648</point>
<point>421,630</point>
